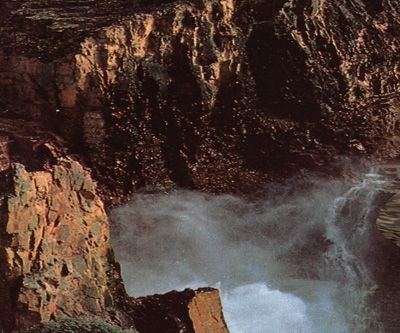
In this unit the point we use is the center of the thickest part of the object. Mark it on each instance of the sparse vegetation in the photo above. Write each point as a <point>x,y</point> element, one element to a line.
<point>77,325</point>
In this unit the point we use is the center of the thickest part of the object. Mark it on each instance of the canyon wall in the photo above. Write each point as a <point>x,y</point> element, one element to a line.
<point>213,95</point>
<point>216,95</point>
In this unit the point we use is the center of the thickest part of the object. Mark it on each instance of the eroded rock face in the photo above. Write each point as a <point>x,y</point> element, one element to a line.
<point>218,95</point>
<point>330,65</point>
<point>149,99</point>
<point>190,311</point>
<point>213,95</point>
<point>55,254</point>
<point>29,143</point>
<point>54,247</point>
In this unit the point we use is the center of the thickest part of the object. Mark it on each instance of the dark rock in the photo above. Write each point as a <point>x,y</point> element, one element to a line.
<point>212,95</point>
<point>190,311</point>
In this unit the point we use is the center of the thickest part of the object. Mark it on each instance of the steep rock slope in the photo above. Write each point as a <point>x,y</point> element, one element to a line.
<point>55,254</point>
<point>218,95</point>
<point>214,95</point>
<point>205,94</point>
<point>331,66</point>
<point>145,97</point>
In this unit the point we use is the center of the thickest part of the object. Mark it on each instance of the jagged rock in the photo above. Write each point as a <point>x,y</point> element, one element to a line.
<point>330,65</point>
<point>388,220</point>
<point>203,94</point>
<point>30,144</point>
<point>190,311</point>
<point>217,95</point>
<point>143,94</point>
<point>54,247</point>
<point>56,259</point>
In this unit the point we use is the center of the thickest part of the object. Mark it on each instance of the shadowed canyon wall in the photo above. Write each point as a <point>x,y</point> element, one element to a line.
<point>213,95</point>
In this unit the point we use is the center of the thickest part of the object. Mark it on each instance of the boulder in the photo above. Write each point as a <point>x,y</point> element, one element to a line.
<point>55,254</point>
<point>189,311</point>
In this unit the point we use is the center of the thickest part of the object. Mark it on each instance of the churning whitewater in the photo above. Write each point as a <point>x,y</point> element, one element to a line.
<point>298,261</point>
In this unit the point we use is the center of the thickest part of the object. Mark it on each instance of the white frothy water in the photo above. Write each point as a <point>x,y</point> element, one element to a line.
<point>297,261</point>
<point>267,304</point>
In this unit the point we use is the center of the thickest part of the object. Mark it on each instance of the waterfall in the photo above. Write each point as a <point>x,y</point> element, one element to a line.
<point>298,260</point>
<point>350,229</point>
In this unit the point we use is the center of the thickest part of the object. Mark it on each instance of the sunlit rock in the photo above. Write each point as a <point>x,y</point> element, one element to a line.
<point>197,311</point>
<point>54,247</point>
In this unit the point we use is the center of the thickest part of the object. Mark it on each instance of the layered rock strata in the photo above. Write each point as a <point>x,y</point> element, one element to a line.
<point>54,247</point>
<point>205,94</point>
<point>56,260</point>
<point>388,221</point>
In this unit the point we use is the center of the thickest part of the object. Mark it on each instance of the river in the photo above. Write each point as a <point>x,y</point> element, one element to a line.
<point>305,257</point>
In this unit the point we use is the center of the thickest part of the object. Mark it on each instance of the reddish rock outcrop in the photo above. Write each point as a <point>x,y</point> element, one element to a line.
<point>190,311</point>
<point>54,247</point>
<point>55,255</point>
<point>205,312</point>
<point>56,260</point>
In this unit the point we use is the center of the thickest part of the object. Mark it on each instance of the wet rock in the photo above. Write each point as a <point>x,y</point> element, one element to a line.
<point>143,95</point>
<point>329,66</point>
<point>388,220</point>
<point>212,95</point>
<point>56,260</point>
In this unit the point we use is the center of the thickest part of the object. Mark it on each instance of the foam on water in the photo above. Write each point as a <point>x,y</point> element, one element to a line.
<point>258,309</point>
<point>297,261</point>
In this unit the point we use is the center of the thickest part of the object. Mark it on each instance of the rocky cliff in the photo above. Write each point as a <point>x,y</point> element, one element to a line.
<point>56,260</point>
<point>332,66</point>
<point>137,95</point>
<point>214,95</point>
<point>55,254</point>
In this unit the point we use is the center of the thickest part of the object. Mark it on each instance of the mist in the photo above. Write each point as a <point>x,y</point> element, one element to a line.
<point>299,259</point>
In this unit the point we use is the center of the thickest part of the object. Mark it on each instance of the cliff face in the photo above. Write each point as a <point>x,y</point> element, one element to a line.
<point>204,94</point>
<point>217,95</point>
<point>56,260</point>
<point>55,254</point>
<point>144,98</point>
<point>330,66</point>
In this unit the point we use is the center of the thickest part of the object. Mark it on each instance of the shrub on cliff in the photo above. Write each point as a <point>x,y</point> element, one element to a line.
<point>76,325</point>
